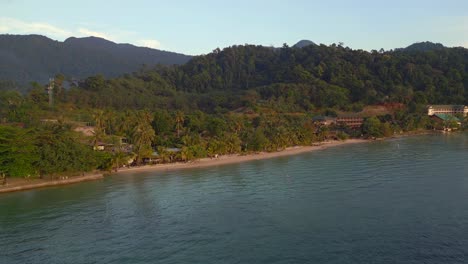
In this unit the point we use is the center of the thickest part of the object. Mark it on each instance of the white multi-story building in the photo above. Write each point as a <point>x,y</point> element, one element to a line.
<point>447,109</point>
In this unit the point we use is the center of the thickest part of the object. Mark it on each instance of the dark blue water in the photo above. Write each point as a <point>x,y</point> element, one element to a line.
<point>396,201</point>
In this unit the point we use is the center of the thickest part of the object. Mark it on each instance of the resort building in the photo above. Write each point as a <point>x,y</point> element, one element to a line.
<point>324,120</point>
<point>350,121</point>
<point>447,109</point>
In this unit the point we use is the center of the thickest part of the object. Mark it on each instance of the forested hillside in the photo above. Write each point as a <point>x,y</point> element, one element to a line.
<point>239,99</point>
<point>299,79</point>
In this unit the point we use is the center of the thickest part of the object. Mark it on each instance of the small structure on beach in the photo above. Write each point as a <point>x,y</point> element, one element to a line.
<point>446,122</point>
<point>324,120</point>
<point>163,155</point>
<point>100,146</point>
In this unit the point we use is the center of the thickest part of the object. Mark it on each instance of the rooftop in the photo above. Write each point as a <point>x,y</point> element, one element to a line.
<point>447,117</point>
<point>447,106</point>
<point>323,118</point>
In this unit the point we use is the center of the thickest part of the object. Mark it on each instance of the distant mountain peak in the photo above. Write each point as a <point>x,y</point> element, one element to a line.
<point>29,58</point>
<point>424,46</point>
<point>304,43</point>
<point>91,38</point>
<point>92,42</point>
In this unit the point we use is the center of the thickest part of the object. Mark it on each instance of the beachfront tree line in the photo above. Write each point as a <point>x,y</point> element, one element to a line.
<point>240,99</point>
<point>46,152</point>
<point>51,149</point>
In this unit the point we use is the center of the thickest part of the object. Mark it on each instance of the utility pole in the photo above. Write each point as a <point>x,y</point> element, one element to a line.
<point>50,91</point>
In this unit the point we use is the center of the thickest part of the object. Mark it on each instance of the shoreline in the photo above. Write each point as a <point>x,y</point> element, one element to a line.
<point>237,158</point>
<point>15,185</point>
<point>25,184</point>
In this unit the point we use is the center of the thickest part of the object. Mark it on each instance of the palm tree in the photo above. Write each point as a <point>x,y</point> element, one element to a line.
<point>4,179</point>
<point>237,124</point>
<point>99,126</point>
<point>126,122</point>
<point>179,119</point>
<point>110,124</point>
<point>186,154</point>
<point>99,117</point>
<point>233,143</point>
<point>164,155</point>
<point>118,160</point>
<point>143,134</point>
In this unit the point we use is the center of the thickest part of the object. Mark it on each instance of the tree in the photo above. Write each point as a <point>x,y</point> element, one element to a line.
<point>179,120</point>
<point>60,151</point>
<point>12,106</point>
<point>163,122</point>
<point>465,123</point>
<point>371,127</point>
<point>164,155</point>
<point>386,129</point>
<point>232,143</point>
<point>186,154</point>
<point>259,141</point>
<point>38,95</point>
<point>18,152</point>
<point>143,134</point>
<point>118,160</point>
<point>216,126</point>
<point>99,127</point>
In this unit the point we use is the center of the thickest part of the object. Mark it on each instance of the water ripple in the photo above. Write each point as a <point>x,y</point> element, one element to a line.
<point>395,201</point>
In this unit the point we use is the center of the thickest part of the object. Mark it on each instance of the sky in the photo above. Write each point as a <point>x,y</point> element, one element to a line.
<point>199,26</point>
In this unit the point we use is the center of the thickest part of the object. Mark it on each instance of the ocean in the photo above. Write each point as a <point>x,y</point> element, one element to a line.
<point>401,200</point>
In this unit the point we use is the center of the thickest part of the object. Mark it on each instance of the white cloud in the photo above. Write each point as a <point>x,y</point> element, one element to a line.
<point>10,25</point>
<point>90,33</point>
<point>149,43</point>
<point>16,26</point>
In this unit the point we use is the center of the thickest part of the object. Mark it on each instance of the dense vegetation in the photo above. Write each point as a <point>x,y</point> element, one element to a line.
<point>290,78</point>
<point>46,151</point>
<point>240,99</point>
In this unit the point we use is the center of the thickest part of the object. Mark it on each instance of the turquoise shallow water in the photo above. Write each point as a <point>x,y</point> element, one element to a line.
<point>396,201</point>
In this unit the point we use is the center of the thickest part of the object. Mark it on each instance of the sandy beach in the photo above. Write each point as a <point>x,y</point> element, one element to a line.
<point>26,184</point>
<point>231,159</point>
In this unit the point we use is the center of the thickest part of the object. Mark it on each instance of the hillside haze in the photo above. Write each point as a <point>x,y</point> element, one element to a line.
<point>26,58</point>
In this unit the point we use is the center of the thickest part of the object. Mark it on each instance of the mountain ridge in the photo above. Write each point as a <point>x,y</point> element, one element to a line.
<point>27,58</point>
<point>423,46</point>
<point>304,43</point>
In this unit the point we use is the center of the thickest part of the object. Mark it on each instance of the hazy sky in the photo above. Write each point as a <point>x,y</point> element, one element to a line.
<point>199,26</point>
